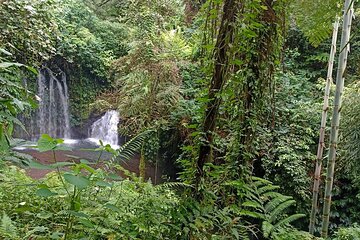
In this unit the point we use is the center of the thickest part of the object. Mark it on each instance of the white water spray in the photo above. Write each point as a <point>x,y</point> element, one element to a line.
<point>53,114</point>
<point>106,129</point>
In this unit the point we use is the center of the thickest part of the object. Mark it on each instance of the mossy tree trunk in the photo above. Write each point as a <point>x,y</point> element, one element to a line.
<point>221,65</point>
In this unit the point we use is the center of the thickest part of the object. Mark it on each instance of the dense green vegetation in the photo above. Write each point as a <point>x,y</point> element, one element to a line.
<point>228,93</point>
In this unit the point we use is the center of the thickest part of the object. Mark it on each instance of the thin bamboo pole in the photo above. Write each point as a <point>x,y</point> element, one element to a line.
<point>335,121</point>
<point>321,145</point>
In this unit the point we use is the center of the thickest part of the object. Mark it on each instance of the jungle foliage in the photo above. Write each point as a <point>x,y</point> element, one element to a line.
<point>227,92</point>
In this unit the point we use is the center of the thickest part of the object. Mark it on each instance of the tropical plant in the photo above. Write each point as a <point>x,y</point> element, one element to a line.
<point>14,98</point>
<point>29,30</point>
<point>350,233</point>
<point>269,206</point>
<point>317,22</point>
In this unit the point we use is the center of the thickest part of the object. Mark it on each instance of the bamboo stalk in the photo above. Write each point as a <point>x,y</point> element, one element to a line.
<point>321,144</point>
<point>335,121</point>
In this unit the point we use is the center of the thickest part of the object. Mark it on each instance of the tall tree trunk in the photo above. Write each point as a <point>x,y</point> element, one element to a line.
<point>221,62</point>
<point>345,47</point>
<point>260,81</point>
<point>321,145</point>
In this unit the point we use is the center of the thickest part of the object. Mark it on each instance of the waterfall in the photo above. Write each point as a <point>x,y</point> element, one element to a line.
<point>106,129</point>
<point>52,116</point>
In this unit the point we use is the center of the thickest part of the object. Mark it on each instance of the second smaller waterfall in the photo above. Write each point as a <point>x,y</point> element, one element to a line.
<point>106,129</point>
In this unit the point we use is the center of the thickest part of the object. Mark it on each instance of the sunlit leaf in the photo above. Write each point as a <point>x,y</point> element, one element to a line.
<point>78,181</point>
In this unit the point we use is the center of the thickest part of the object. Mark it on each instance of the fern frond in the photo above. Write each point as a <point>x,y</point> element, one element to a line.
<point>8,228</point>
<point>271,195</point>
<point>317,20</point>
<point>129,149</point>
<point>274,203</point>
<point>267,188</point>
<point>253,204</point>
<point>267,228</point>
<point>170,185</point>
<point>243,188</point>
<point>279,210</point>
<point>288,220</point>
<point>260,180</point>
<point>251,214</point>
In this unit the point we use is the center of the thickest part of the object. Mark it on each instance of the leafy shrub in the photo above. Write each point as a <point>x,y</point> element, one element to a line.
<point>28,29</point>
<point>87,202</point>
<point>293,234</point>
<point>14,98</point>
<point>351,233</point>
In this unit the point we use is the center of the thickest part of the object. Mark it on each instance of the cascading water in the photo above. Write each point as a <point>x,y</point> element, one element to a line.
<point>53,112</point>
<point>106,129</point>
<point>52,115</point>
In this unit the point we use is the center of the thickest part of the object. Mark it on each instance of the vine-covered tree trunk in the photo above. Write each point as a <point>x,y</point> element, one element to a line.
<point>335,121</point>
<point>221,61</point>
<point>321,144</point>
<point>259,81</point>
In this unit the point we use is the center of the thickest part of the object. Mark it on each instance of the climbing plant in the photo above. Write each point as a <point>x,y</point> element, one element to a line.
<point>29,30</point>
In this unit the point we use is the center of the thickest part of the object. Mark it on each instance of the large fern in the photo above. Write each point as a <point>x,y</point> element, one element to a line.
<point>268,206</point>
<point>315,18</point>
<point>8,229</point>
<point>130,148</point>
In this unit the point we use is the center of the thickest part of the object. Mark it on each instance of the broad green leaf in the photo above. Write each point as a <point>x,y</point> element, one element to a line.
<point>33,70</point>
<point>44,192</point>
<point>4,144</point>
<point>113,176</point>
<point>103,184</point>
<point>112,207</point>
<point>46,143</point>
<point>88,168</point>
<point>24,209</point>
<point>56,235</point>
<point>86,223</point>
<point>36,165</point>
<point>78,181</point>
<point>78,214</point>
<point>84,161</point>
<point>61,164</point>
